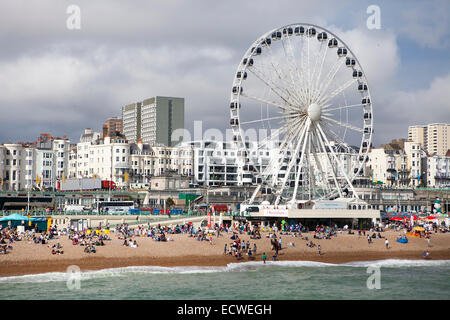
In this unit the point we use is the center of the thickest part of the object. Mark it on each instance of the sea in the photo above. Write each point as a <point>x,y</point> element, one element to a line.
<point>275,280</point>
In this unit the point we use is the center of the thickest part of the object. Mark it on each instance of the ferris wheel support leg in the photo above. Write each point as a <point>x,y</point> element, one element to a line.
<point>320,139</point>
<point>300,164</point>
<point>355,194</point>
<point>254,194</point>
<point>297,148</point>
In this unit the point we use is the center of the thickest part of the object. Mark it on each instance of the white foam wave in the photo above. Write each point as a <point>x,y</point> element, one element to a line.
<point>231,267</point>
<point>398,263</point>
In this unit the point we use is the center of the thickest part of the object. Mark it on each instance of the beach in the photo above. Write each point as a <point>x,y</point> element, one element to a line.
<point>30,258</point>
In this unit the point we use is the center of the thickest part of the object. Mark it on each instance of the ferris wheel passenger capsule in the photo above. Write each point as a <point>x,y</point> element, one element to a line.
<point>341,52</point>
<point>248,61</point>
<point>299,31</point>
<point>332,43</point>
<point>357,74</point>
<point>235,105</point>
<point>311,32</point>
<point>365,101</point>
<point>242,75</point>
<point>237,89</point>
<point>322,36</point>
<point>362,87</point>
<point>349,62</point>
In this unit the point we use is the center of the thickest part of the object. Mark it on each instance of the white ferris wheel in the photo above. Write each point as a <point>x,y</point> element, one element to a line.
<point>304,87</point>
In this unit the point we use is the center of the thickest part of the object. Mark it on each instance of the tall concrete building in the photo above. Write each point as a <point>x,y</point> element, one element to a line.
<point>131,121</point>
<point>434,138</point>
<point>154,120</point>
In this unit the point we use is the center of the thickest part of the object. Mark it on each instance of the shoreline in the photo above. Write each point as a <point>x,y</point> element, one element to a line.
<point>30,267</point>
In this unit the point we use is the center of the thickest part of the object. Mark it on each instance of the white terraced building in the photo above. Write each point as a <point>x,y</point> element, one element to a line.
<point>12,162</point>
<point>219,163</point>
<point>437,171</point>
<point>397,166</point>
<point>125,163</point>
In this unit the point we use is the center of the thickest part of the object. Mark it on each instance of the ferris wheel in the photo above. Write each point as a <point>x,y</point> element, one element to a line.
<point>305,88</point>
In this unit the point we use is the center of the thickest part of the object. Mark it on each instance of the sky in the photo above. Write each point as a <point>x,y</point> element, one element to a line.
<point>58,80</point>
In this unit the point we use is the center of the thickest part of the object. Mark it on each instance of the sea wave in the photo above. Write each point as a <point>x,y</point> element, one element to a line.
<point>231,267</point>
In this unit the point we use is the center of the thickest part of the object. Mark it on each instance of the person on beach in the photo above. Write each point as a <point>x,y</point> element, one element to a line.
<point>254,248</point>
<point>428,240</point>
<point>319,249</point>
<point>387,243</point>
<point>225,249</point>
<point>264,257</point>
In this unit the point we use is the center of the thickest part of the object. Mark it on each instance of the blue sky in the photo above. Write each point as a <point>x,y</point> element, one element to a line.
<point>61,81</point>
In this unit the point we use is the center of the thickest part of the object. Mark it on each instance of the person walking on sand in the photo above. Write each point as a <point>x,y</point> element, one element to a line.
<point>225,249</point>
<point>264,257</point>
<point>319,249</point>
<point>428,240</point>
<point>387,243</point>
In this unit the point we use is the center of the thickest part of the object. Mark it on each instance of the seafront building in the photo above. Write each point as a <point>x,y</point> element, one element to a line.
<point>154,120</point>
<point>437,171</point>
<point>434,138</point>
<point>42,163</point>
<point>396,164</point>
<point>112,127</point>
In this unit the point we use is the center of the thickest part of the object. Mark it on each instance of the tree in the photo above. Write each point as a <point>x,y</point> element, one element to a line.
<point>169,204</point>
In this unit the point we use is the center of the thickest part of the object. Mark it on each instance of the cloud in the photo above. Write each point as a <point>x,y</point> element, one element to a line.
<point>407,108</point>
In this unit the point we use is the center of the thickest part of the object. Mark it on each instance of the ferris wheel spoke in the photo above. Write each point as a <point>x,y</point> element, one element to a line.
<point>328,160</point>
<point>284,149</point>
<point>300,87</point>
<point>290,82</point>
<point>293,158</point>
<point>300,164</point>
<point>275,89</point>
<point>338,140</point>
<point>268,102</point>
<point>271,137</point>
<point>337,91</point>
<point>316,86</point>
<point>315,151</point>
<point>289,66</point>
<point>329,78</point>
<point>267,119</point>
<point>339,163</point>
<point>345,125</point>
<point>326,109</point>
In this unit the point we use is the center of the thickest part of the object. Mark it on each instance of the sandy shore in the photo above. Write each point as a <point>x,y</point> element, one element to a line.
<point>30,258</point>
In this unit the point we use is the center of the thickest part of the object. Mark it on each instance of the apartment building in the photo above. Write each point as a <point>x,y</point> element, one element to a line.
<point>434,138</point>
<point>397,163</point>
<point>154,120</point>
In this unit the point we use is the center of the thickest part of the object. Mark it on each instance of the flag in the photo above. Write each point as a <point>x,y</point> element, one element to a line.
<point>1,182</point>
<point>38,180</point>
<point>126,176</point>
<point>63,178</point>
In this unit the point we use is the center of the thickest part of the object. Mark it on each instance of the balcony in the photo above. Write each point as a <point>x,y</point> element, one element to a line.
<point>122,165</point>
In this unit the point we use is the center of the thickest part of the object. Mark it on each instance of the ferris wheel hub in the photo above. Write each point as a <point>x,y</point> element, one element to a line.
<point>314,112</point>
